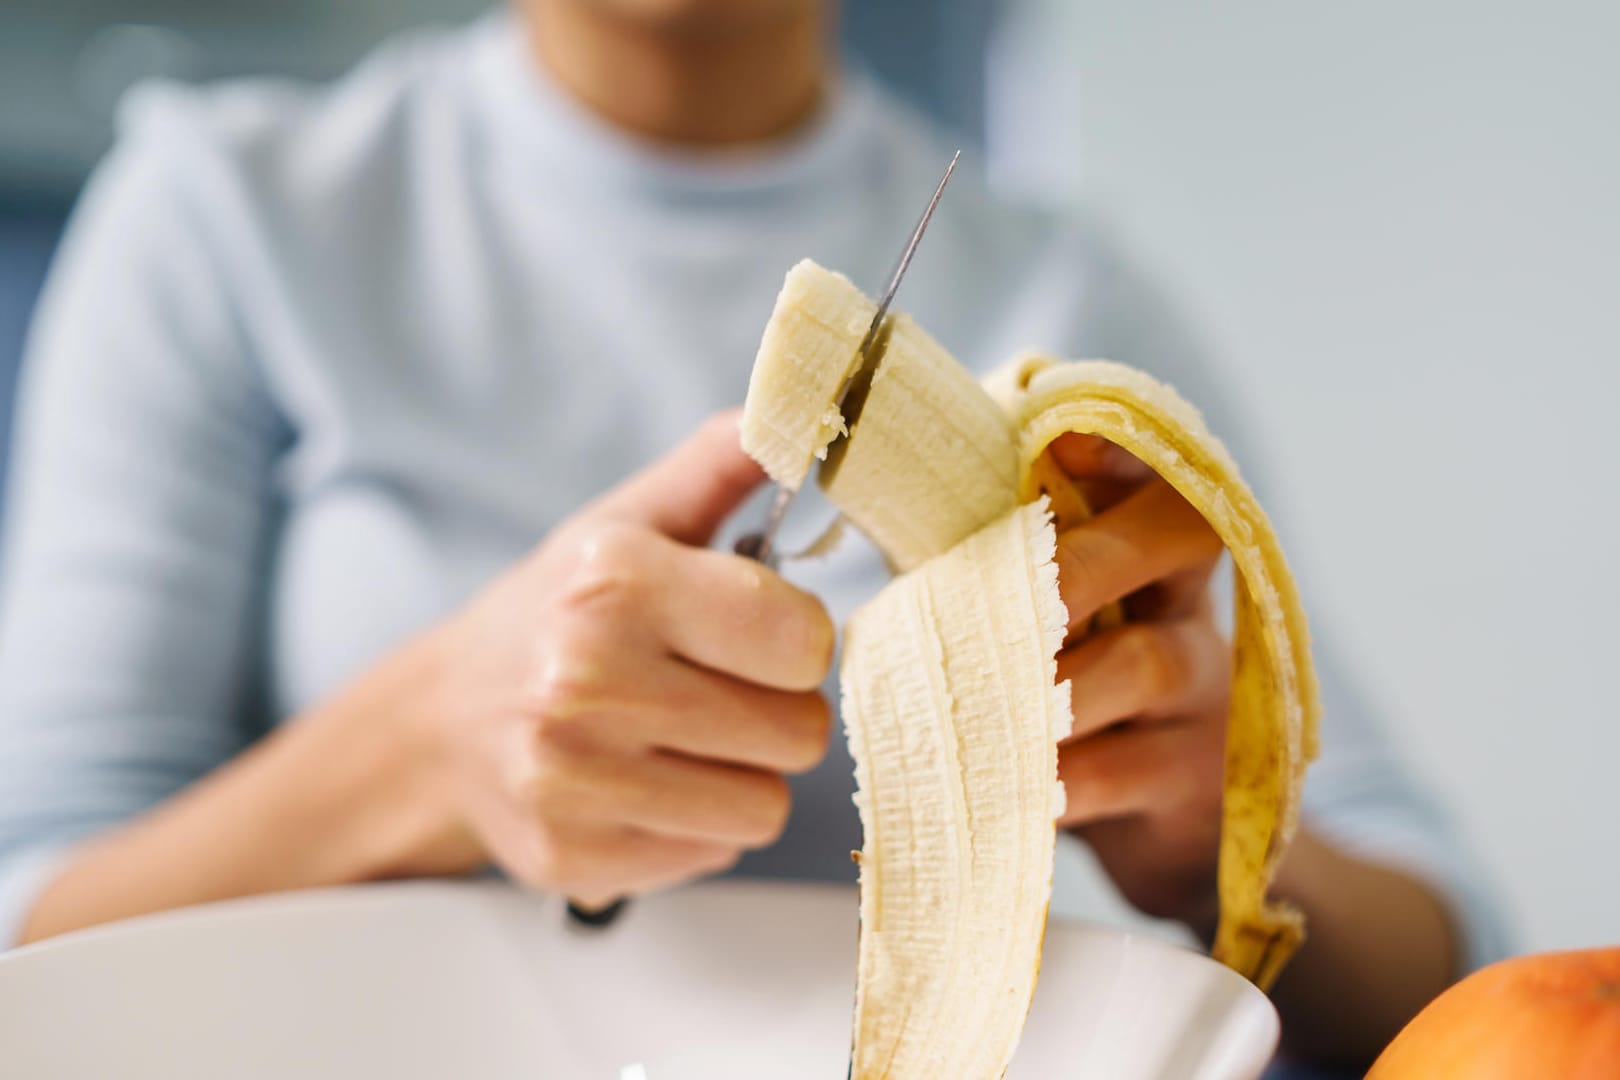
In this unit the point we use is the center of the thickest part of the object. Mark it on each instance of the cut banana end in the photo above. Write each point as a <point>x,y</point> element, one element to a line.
<point>811,345</point>
<point>949,673</point>
<point>954,711</point>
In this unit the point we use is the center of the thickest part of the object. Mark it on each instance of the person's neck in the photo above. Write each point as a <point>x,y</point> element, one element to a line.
<point>695,86</point>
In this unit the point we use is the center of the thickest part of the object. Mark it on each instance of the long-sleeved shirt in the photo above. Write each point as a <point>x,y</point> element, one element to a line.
<point>315,363</point>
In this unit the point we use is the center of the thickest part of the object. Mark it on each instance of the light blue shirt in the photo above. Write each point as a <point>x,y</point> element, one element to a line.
<point>314,364</point>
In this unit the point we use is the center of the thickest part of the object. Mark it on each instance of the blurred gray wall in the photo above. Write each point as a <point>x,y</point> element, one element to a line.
<point>1400,226</point>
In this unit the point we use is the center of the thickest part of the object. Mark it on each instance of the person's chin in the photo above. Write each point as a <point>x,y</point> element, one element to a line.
<point>694,14</point>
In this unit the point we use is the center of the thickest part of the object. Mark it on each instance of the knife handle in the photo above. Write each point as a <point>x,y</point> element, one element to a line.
<point>751,546</point>
<point>596,918</point>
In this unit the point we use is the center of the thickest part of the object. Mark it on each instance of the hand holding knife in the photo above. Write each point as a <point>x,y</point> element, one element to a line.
<point>761,546</point>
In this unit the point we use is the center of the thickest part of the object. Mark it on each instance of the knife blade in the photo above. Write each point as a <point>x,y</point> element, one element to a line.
<point>760,545</point>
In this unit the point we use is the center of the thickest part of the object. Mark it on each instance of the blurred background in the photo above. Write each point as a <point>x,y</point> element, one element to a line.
<point>1398,226</point>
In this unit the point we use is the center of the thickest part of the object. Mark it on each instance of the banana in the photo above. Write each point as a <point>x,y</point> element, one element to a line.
<point>962,464</point>
<point>948,673</point>
<point>811,346</point>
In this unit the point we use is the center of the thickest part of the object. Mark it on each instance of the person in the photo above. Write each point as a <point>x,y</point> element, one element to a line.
<point>322,565</point>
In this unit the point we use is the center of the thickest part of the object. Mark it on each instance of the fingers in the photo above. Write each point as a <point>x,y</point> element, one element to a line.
<point>602,826</point>
<point>1092,457</point>
<point>1153,534</point>
<point>1140,769</point>
<point>665,795</point>
<point>641,565</point>
<point>598,824</point>
<point>703,714</point>
<point>1179,596</point>
<point>732,615</point>
<point>687,494</point>
<point>1103,473</point>
<point>1113,774</point>
<point>596,866</point>
<point>1144,670</point>
<point>631,586</point>
<point>632,704</point>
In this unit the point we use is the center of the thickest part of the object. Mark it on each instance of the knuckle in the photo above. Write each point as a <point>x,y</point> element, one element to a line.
<point>823,641</point>
<point>721,859</point>
<point>608,575</point>
<point>527,776</point>
<point>544,862</point>
<point>1084,571</point>
<point>771,812</point>
<point>811,638</point>
<point>1157,662</point>
<point>1086,786</point>
<point>608,541</point>
<point>565,683</point>
<point>811,735</point>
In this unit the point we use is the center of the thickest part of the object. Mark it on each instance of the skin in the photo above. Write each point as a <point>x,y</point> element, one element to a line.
<point>573,724</point>
<point>690,73</point>
<point>1142,765</point>
<point>576,726</point>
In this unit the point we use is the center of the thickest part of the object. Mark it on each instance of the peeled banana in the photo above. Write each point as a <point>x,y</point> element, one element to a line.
<point>949,675</point>
<point>957,798</point>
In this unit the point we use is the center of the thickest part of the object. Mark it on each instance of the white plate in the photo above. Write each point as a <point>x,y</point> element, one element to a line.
<point>723,981</point>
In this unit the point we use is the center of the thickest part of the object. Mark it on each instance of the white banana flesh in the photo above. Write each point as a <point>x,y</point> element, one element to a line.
<point>948,674</point>
<point>811,346</point>
<point>936,460</point>
<point>957,790</point>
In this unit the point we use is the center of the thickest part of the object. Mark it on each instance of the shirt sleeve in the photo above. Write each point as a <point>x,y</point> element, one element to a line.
<point>141,494</point>
<point>1358,793</point>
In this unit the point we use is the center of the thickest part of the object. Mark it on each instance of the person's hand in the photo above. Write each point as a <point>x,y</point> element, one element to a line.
<point>618,711</point>
<point>1143,765</point>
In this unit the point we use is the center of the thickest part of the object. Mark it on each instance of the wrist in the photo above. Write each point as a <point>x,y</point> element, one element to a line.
<point>1379,945</point>
<point>346,793</point>
<point>398,817</point>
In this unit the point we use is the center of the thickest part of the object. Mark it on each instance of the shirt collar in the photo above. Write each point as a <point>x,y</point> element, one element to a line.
<point>533,124</point>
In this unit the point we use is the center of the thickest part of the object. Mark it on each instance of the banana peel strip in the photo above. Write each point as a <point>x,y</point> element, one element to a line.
<point>1271,732</point>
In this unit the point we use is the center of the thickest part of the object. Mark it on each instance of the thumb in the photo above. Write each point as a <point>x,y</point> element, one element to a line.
<point>688,492</point>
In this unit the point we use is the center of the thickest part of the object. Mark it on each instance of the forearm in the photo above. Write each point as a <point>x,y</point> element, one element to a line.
<point>337,796</point>
<point>1379,946</point>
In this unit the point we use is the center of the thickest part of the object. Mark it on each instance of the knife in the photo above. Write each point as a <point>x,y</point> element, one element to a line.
<point>761,546</point>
